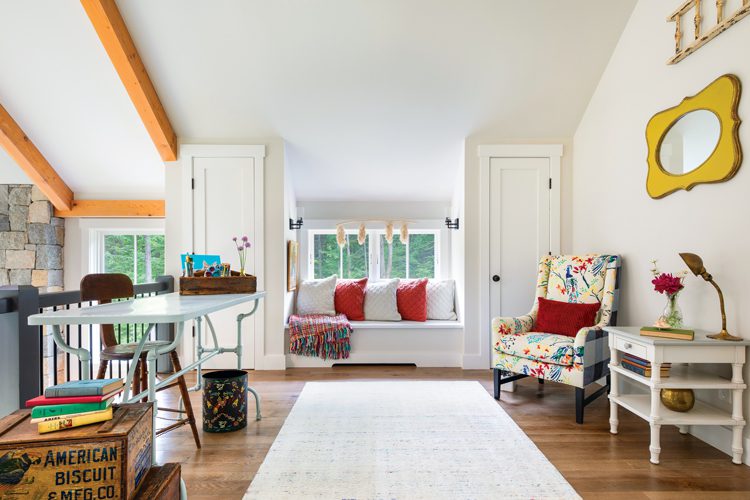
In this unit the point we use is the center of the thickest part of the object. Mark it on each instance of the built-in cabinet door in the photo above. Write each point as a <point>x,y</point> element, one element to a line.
<point>224,207</point>
<point>519,231</point>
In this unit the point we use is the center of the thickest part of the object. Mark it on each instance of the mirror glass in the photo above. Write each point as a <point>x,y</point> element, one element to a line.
<point>690,142</point>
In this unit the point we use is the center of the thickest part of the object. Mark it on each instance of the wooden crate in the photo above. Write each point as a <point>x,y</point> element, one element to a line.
<point>107,460</point>
<point>161,483</point>
<point>216,286</point>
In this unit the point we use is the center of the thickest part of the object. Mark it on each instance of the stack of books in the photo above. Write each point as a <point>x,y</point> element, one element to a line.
<point>74,404</point>
<point>642,366</point>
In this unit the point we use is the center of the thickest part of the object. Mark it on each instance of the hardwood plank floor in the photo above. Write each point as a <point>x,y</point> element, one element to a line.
<point>598,464</point>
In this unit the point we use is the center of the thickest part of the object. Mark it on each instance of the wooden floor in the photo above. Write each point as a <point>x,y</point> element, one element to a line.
<point>597,463</point>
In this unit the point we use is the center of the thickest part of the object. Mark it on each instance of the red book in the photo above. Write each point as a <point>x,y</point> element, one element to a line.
<point>44,401</point>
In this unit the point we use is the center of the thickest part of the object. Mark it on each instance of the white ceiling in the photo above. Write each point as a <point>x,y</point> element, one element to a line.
<point>373,98</point>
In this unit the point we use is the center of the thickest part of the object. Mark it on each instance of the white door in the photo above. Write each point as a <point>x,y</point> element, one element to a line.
<point>519,231</point>
<point>224,207</point>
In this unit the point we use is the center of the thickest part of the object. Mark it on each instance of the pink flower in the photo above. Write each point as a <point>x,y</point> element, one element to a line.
<point>234,239</point>
<point>244,238</point>
<point>247,244</point>
<point>667,283</point>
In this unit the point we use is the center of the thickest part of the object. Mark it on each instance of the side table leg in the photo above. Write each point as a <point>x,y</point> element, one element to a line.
<point>737,414</point>
<point>655,446</point>
<point>737,445</point>
<point>684,429</point>
<point>614,387</point>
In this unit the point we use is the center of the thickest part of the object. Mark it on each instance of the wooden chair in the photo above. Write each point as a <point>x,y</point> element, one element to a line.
<point>103,288</point>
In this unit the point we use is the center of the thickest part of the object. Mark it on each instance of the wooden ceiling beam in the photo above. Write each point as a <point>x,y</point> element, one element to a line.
<point>33,163</point>
<point>114,209</point>
<point>114,35</point>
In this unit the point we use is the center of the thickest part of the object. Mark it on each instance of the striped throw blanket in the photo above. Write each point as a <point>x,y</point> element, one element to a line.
<point>326,337</point>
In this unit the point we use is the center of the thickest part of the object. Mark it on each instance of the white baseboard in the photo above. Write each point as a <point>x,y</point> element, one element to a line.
<point>423,359</point>
<point>720,437</point>
<point>475,362</point>
<point>271,362</point>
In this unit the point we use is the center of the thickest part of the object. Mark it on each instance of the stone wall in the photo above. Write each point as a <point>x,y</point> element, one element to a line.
<point>31,239</point>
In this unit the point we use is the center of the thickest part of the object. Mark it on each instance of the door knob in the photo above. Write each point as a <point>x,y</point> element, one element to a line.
<point>495,278</point>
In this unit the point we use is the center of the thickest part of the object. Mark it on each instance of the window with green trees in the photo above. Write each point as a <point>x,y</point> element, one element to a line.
<point>416,259</point>
<point>140,256</point>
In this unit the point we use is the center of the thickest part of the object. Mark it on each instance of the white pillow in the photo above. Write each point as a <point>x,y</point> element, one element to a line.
<point>441,300</point>
<point>316,297</point>
<point>380,301</point>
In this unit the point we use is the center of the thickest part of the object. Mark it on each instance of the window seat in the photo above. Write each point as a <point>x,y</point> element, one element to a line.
<point>404,325</point>
<point>432,343</point>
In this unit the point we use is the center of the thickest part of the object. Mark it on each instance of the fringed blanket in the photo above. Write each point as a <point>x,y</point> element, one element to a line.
<point>316,335</point>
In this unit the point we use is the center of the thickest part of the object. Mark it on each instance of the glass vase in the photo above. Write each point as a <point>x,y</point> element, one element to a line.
<point>671,317</point>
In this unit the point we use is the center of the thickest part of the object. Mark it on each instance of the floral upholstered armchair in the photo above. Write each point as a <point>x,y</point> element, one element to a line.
<point>520,351</point>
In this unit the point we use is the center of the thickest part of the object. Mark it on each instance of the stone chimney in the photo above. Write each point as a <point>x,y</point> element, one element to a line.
<point>31,239</point>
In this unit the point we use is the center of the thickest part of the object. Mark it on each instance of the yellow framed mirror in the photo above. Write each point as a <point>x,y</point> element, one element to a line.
<point>697,141</point>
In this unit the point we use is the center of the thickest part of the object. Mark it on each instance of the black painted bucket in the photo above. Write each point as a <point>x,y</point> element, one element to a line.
<point>224,401</point>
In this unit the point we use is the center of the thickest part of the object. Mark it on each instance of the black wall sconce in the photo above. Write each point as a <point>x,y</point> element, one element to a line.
<point>296,224</point>
<point>451,224</point>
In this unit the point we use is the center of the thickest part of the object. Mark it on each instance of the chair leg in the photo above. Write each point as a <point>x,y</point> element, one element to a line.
<point>497,375</point>
<point>609,383</point>
<point>136,386</point>
<point>579,404</point>
<point>185,398</point>
<point>103,364</point>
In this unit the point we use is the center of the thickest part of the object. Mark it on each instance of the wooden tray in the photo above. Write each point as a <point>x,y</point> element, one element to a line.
<point>217,286</point>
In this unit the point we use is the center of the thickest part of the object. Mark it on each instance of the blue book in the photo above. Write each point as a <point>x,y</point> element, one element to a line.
<point>95,387</point>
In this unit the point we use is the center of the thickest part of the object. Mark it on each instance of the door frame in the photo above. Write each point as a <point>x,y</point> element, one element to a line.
<point>553,152</point>
<point>188,152</point>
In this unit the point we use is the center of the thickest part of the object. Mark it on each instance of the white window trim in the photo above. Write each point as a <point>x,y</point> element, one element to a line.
<point>373,251</point>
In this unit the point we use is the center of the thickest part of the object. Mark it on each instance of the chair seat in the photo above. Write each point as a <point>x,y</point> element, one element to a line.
<point>544,347</point>
<point>126,351</point>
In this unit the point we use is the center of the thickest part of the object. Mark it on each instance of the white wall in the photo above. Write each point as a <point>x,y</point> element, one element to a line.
<point>275,233</point>
<point>612,212</point>
<point>78,241</point>
<point>10,172</point>
<point>290,212</point>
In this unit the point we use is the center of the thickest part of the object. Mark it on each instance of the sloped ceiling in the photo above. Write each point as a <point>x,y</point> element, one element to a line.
<point>373,98</point>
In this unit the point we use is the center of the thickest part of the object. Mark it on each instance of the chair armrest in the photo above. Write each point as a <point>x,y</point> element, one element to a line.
<point>502,326</point>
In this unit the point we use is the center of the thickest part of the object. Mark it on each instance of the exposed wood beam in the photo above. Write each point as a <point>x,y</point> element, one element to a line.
<point>114,35</point>
<point>114,209</point>
<point>31,161</point>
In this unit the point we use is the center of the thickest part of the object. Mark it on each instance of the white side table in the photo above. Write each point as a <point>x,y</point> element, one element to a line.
<point>658,351</point>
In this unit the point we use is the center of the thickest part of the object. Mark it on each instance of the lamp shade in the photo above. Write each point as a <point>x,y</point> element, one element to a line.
<point>694,263</point>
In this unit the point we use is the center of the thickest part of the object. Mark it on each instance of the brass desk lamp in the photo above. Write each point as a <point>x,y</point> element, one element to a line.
<point>695,264</point>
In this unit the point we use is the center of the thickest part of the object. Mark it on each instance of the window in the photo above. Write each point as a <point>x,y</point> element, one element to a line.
<point>376,258</point>
<point>349,262</point>
<point>415,259</point>
<point>140,255</point>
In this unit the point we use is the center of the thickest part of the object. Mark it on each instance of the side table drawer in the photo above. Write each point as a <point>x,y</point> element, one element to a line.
<point>631,347</point>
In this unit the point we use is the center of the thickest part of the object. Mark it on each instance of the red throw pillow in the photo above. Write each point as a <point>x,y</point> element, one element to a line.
<point>349,298</point>
<point>564,318</point>
<point>411,298</point>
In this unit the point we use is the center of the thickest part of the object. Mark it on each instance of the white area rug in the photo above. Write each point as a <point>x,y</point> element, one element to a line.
<point>403,441</point>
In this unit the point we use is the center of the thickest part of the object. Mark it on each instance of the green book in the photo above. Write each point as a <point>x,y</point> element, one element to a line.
<point>667,333</point>
<point>57,410</point>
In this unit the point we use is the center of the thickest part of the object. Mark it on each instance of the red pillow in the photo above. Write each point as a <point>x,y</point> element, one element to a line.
<point>564,318</point>
<point>411,298</point>
<point>349,298</point>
